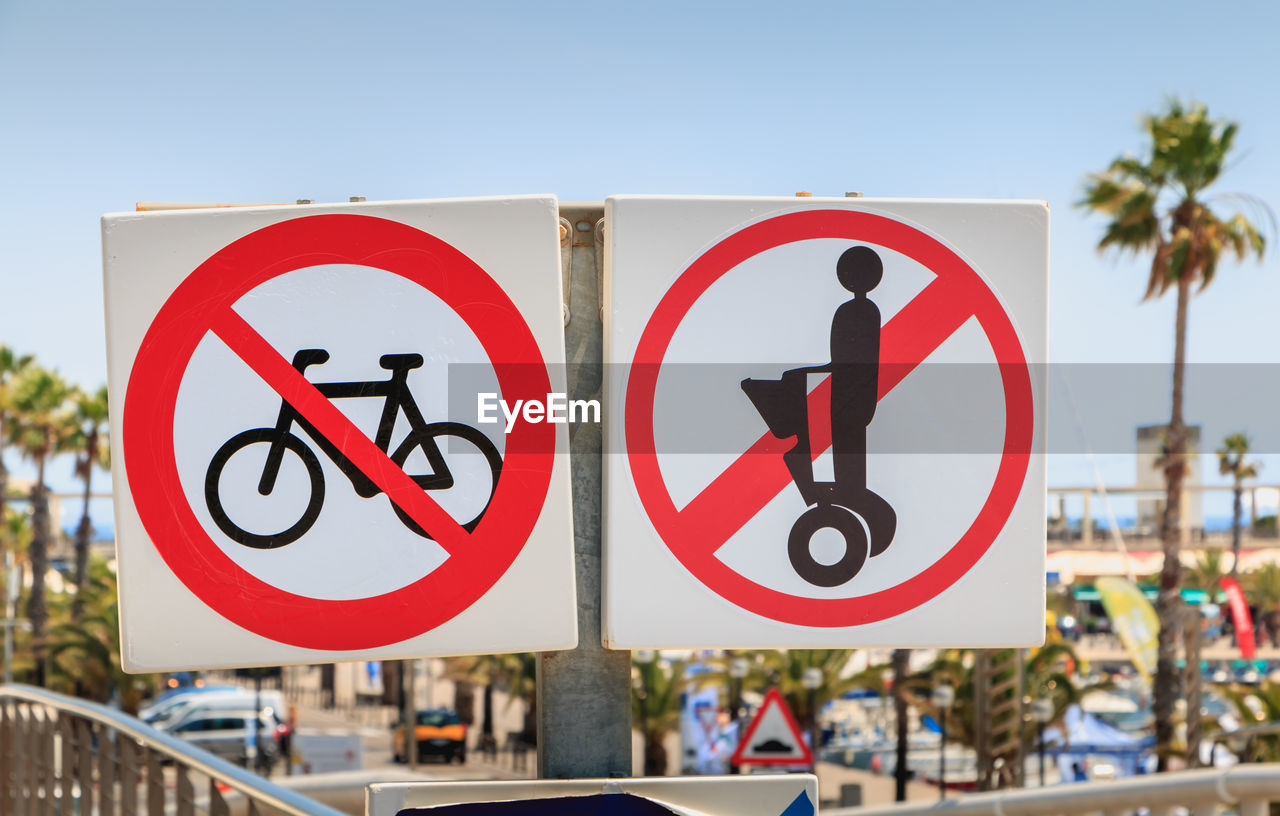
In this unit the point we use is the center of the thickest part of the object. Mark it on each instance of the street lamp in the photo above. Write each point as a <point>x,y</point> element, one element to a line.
<point>944,696</point>
<point>1041,712</point>
<point>811,680</point>
<point>738,669</point>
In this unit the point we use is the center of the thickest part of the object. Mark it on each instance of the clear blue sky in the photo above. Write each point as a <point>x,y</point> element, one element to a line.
<point>108,104</point>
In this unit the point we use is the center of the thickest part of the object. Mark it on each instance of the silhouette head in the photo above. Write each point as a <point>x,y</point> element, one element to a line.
<point>859,269</point>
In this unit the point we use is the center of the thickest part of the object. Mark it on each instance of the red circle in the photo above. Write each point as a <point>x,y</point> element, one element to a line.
<point>161,364</point>
<point>652,348</point>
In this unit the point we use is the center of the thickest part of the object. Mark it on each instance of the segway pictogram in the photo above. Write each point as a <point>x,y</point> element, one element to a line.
<point>784,403</point>
<point>716,521</point>
<point>398,399</point>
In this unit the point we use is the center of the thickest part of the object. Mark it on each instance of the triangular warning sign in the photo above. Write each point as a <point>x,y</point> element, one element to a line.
<point>773,738</point>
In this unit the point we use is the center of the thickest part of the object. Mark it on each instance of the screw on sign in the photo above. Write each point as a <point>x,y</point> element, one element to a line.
<point>830,405</point>
<point>235,445</point>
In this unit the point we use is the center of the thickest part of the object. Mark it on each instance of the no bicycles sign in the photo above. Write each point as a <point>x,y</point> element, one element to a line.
<point>828,421</point>
<point>293,474</point>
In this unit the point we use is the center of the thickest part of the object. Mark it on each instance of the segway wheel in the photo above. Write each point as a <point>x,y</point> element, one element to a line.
<point>827,516</point>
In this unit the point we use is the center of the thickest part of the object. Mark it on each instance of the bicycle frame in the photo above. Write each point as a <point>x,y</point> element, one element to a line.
<point>397,398</point>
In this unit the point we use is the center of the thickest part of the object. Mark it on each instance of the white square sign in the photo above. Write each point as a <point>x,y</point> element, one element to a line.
<point>301,471</point>
<point>825,422</point>
<point>777,795</point>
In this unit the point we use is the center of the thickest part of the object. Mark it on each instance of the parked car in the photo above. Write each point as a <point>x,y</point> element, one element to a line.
<point>214,707</point>
<point>179,696</point>
<point>230,735</point>
<point>182,708</point>
<point>438,732</point>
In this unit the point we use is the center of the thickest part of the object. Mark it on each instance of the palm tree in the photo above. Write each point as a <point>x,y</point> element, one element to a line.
<point>11,364</point>
<point>490,671</point>
<point>1206,572</point>
<point>785,670</point>
<point>1262,585</point>
<point>89,442</point>
<point>518,674</point>
<point>15,529</point>
<point>1158,204</point>
<point>656,706</point>
<point>1047,672</point>
<point>41,421</point>
<point>85,652</point>
<point>1231,463</point>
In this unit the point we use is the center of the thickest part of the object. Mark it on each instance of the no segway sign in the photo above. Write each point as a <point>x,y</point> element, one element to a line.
<point>298,474</point>
<point>826,422</point>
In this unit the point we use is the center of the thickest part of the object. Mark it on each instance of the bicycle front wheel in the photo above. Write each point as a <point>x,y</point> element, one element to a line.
<point>213,488</point>
<point>459,443</point>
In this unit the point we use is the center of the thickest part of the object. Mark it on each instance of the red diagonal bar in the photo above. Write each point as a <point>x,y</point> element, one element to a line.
<point>754,480</point>
<point>372,461</point>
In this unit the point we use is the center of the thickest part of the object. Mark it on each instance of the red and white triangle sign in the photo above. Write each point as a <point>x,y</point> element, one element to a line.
<point>773,737</point>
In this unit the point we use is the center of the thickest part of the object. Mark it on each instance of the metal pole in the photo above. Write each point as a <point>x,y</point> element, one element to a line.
<point>12,585</point>
<point>942,754</point>
<point>982,718</point>
<point>644,715</point>
<point>737,713</point>
<point>584,695</point>
<point>814,734</point>
<point>900,667</point>
<point>258,764</point>
<point>1040,729</point>
<point>409,668</point>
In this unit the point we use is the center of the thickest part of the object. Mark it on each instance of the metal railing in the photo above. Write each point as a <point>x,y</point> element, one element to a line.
<point>1248,789</point>
<point>61,756</point>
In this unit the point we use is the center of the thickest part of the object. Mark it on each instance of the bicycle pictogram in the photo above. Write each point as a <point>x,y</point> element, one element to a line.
<point>397,400</point>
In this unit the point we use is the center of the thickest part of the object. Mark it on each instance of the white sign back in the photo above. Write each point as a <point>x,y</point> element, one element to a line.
<point>784,795</point>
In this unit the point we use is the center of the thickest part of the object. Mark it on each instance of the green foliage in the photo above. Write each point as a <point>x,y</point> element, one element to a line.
<point>11,364</point>
<point>1257,706</point>
<point>1156,203</point>
<point>517,673</point>
<point>1235,447</point>
<point>42,414</point>
<point>656,689</point>
<point>1262,586</point>
<point>1206,573</point>
<point>785,670</point>
<point>87,437</point>
<point>1047,671</point>
<point>42,417</point>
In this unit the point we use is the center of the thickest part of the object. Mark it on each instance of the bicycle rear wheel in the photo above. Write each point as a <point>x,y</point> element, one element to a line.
<point>436,435</point>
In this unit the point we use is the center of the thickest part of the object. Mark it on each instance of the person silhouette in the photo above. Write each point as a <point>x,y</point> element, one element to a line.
<point>855,367</point>
<point>783,403</point>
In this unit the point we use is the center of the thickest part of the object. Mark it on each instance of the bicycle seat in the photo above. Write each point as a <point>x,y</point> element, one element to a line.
<point>309,357</point>
<point>400,362</point>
